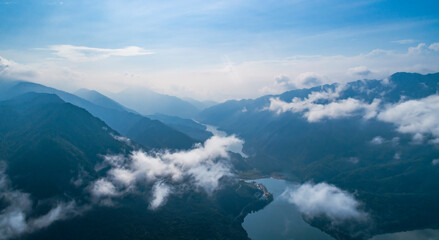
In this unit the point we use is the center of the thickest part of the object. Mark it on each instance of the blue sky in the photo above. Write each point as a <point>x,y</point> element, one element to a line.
<point>210,49</point>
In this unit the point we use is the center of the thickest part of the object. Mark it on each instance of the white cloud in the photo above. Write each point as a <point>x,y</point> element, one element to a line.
<point>315,111</point>
<point>435,162</point>
<point>325,199</point>
<point>202,166</point>
<point>16,219</point>
<point>281,83</point>
<point>123,176</point>
<point>61,211</point>
<point>160,192</point>
<point>13,217</point>
<point>224,80</point>
<point>378,140</point>
<point>58,76</point>
<point>12,223</point>
<point>84,54</point>
<point>418,49</point>
<point>308,79</point>
<point>103,188</point>
<point>417,117</point>
<point>434,46</point>
<point>207,177</point>
<point>121,139</point>
<point>11,69</point>
<point>361,71</point>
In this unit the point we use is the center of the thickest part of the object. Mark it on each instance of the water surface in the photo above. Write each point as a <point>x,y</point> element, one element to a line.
<point>280,220</point>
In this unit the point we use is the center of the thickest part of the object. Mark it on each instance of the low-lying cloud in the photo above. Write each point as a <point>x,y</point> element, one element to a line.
<point>202,167</point>
<point>160,193</point>
<point>16,219</point>
<point>315,200</point>
<point>321,105</point>
<point>418,117</point>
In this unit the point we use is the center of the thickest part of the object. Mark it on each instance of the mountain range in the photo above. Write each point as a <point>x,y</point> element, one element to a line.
<point>58,180</point>
<point>125,121</point>
<point>375,138</point>
<point>88,166</point>
<point>148,102</point>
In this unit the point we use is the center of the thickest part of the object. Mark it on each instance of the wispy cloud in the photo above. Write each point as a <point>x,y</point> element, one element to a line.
<point>434,46</point>
<point>18,217</point>
<point>84,54</point>
<point>220,81</point>
<point>405,41</point>
<point>378,140</point>
<point>160,193</point>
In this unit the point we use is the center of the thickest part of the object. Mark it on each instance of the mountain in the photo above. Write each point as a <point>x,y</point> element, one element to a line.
<point>366,137</point>
<point>46,142</point>
<point>187,126</point>
<point>200,104</point>
<point>55,158</point>
<point>100,100</point>
<point>147,102</point>
<point>116,116</point>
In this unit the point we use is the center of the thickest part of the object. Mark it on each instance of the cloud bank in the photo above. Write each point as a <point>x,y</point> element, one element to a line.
<point>315,200</point>
<point>315,106</point>
<point>202,167</point>
<point>418,117</point>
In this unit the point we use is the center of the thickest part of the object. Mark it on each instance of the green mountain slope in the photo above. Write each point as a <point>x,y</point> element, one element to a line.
<point>46,142</point>
<point>394,177</point>
<point>121,120</point>
<point>54,152</point>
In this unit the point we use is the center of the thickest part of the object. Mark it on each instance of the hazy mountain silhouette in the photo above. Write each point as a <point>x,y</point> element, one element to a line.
<point>115,115</point>
<point>148,102</point>
<point>101,100</point>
